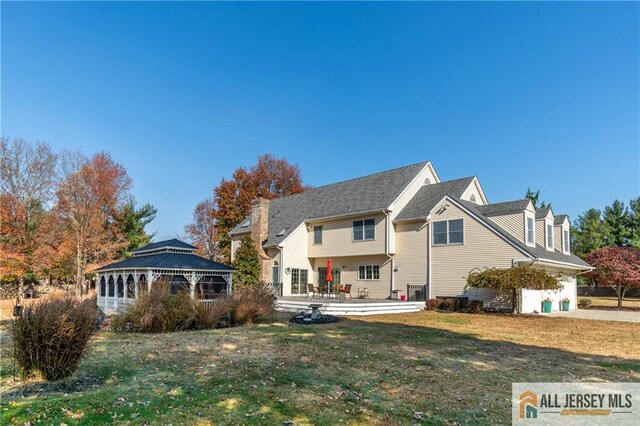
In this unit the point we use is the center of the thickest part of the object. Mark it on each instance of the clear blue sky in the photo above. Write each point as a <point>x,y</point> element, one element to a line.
<point>537,95</point>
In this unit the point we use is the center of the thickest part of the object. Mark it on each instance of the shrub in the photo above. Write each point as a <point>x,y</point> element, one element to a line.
<point>475,307</point>
<point>450,304</point>
<point>253,303</point>
<point>50,336</point>
<point>584,303</point>
<point>433,304</point>
<point>157,311</point>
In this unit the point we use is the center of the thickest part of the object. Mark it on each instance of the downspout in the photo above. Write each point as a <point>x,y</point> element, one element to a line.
<point>386,248</point>
<point>429,295</point>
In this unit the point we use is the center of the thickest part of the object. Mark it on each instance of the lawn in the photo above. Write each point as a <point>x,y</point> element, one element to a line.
<point>425,367</point>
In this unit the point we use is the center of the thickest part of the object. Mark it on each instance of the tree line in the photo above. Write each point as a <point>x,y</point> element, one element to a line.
<point>64,214</point>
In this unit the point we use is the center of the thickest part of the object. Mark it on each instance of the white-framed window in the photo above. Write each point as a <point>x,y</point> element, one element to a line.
<point>448,232</point>
<point>364,230</point>
<point>565,240</point>
<point>530,231</point>
<point>368,272</point>
<point>549,236</point>
<point>317,235</point>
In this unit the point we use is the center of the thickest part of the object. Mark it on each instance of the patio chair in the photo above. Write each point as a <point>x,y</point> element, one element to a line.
<point>313,291</point>
<point>346,290</point>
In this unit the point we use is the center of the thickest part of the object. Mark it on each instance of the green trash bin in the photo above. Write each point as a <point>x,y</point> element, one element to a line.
<point>546,306</point>
<point>565,304</point>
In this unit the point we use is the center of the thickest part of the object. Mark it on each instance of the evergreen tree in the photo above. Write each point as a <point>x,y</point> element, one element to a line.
<point>535,197</point>
<point>616,217</point>
<point>633,222</point>
<point>133,221</point>
<point>589,233</point>
<point>246,263</point>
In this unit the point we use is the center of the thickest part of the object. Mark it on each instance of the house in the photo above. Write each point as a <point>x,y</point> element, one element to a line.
<point>403,229</point>
<point>172,261</point>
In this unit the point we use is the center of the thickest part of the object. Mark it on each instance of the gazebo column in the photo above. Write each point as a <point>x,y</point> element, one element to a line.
<point>149,279</point>
<point>229,284</point>
<point>136,280</point>
<point>192,285</point>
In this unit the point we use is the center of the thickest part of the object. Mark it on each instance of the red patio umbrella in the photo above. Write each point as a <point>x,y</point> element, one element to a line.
<point>329,277</point>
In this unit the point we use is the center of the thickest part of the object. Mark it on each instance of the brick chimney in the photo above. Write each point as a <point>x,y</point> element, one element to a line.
<point>259,234</point>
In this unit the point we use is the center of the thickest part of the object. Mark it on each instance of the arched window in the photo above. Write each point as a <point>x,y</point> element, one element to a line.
<point>111,287</point>
<point>103,287</point>
<point>131,289</point>
<point>472,198</point>
<point>120,286</point>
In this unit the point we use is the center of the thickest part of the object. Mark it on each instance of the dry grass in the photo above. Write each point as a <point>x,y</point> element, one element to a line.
<point>426,367</point>
<point>612,302</point>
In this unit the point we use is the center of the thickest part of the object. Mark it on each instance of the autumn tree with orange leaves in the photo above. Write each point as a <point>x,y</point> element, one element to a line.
<point>269,178</point>
<point>27,182</point>
<point>86,212</point>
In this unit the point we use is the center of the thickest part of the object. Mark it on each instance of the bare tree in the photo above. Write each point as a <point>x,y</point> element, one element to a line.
<point>202,232</point>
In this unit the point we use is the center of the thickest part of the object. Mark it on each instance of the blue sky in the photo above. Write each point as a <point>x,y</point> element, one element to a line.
<point>539,95</point>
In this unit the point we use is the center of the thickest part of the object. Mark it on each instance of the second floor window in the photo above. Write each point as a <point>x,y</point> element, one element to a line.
<point>565,241</point>
<point>549,236</point>
<point>530,234</point>
<point>364,230</point>
<point>448,232</point>
<point>317,235</point>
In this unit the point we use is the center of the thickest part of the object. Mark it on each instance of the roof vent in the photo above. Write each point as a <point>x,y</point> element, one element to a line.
<point>427,181</point>
<point>245,223</point>
<point>282,232</point>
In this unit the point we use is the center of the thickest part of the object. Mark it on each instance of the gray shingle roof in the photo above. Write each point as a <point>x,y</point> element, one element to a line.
<point>537,252</point>
<point>507,207</point>
<point>559,220</point>
<point>365,194</point>
<point>166,243</point>
<point>429,195</point>
<point>542,212</point>
<point>168,261</point>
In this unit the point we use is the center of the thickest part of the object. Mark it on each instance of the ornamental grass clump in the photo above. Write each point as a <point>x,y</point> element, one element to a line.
<point>157,311</point>
<point>253,303</point>
<point>50,336</point>
<point>510,281</point>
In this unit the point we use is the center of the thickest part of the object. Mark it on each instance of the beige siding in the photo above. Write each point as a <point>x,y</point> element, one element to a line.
<point>404,198</point>
<point>411,258</point>
<point>481,248</point>
<point>295,255</point>
<point>540,232</point>
<point>337,238</point>
<point>557,237</point>
<point>512,223</point>
<point>235,243</point>
<point>378,289</point>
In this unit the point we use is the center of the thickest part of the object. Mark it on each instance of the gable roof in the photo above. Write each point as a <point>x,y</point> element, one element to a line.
<point>559,220</point>
<point>173,243</point>
<point>538,252</point>
<point>507,207</point>
<point>167,260</point>
<point>366,194</point>
<point>429,195</point>
<point>542,212</point>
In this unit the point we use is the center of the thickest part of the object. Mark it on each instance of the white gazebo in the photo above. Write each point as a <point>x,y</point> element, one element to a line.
<point>173,261</point>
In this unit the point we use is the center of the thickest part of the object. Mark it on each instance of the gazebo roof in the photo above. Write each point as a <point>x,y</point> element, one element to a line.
<point>170,254</point>
<point>164,246</point>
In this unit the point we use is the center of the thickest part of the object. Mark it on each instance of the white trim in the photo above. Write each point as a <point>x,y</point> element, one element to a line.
<point>282,243</point>
<point>480,190</point>
<point>159,249</point>
<point>548,223</point>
